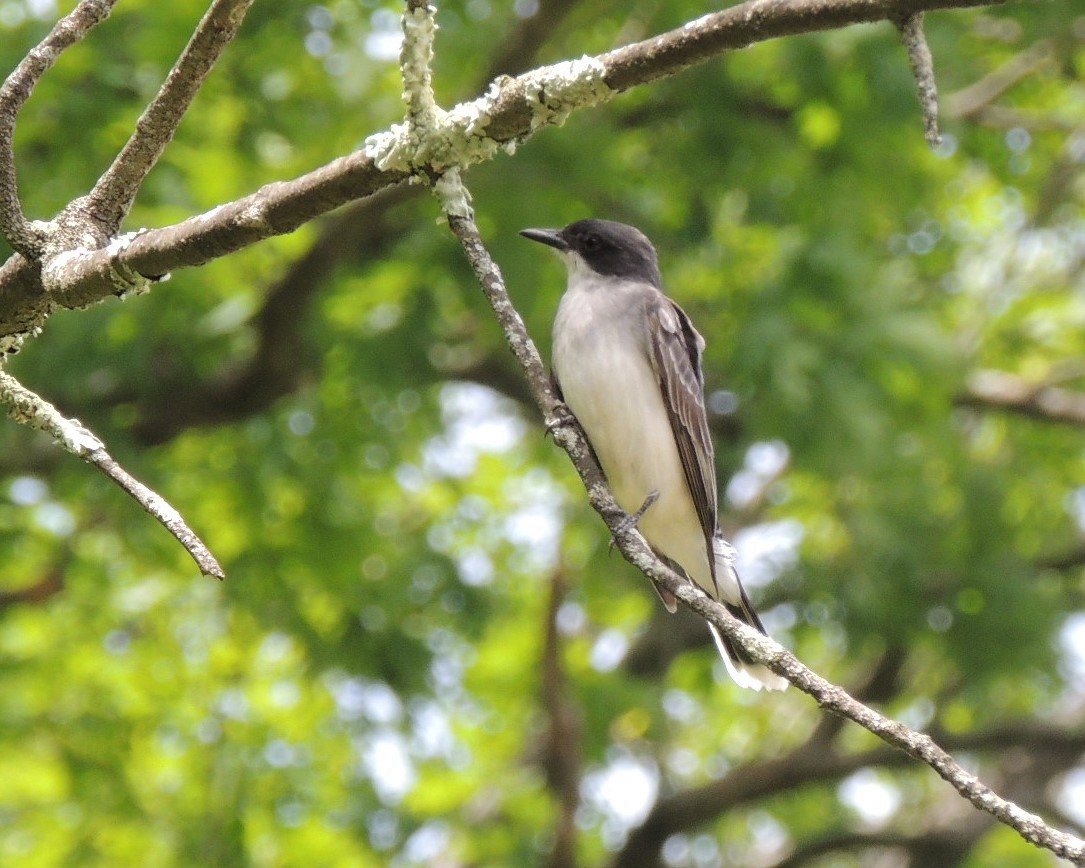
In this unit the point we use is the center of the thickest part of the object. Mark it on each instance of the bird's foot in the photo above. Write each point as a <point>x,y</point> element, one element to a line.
<point>562,416</point>
<point>630,521</point>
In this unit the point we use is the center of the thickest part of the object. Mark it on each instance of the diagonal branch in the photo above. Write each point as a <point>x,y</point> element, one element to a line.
<point>969,102</point>
<point>511,111</point>
<point>28,408</point>
<point>49,585</point>
<point>15,91</point>
<point>116,190</point>
<point>761,648</point>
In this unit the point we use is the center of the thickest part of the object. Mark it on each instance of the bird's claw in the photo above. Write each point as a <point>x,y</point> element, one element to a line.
<point>562,416</point>
<point>630,521</point>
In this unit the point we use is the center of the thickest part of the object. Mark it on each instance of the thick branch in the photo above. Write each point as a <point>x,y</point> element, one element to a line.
<point>561,748</point>
<point>512,110</point>
<point>936,843</point>
<point>83,277</point>
<point>14,93</point>
<point>989,389</point>
<point>814,762</point>
<point>28,408</point>
<point>761,648</point>
<point>116,190</point>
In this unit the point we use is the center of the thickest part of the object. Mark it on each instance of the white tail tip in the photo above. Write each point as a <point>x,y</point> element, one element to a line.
<point>754,676</point>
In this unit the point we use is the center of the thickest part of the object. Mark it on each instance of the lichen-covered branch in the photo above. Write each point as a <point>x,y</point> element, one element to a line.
<point>919,55</point>
<point>14,92</point>
<point>511,111</point>
<point>28,408</point>
<point>116,190</point>
<point>762,648</point>
<point>415,60</point>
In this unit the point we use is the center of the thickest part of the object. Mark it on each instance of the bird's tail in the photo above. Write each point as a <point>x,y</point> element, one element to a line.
<point>740,666</point>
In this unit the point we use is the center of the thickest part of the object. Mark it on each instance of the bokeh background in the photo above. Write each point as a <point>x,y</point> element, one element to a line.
<point>423,654</point>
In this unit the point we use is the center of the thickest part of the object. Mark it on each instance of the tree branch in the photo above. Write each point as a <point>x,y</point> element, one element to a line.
<point>116,190</point>
<point>919,55</point>
<point>761,648</point>
<point>512,110</point>
<point>28,408</point>
<point>942,847</point>
<point>16,90</point>
<point>561,757</point>
<point>50,584</point>
<point>817,761</point>
<point>970,101</point>
<point>358,233</point>
<point>990,389</point>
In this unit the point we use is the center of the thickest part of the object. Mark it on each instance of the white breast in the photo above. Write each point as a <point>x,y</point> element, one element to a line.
<point>602,364</point>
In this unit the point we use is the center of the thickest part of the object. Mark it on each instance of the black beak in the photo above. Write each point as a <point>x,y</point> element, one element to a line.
<point>550,237</point>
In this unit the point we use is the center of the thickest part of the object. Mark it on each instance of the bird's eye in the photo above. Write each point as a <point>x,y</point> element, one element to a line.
<point>592,242</point>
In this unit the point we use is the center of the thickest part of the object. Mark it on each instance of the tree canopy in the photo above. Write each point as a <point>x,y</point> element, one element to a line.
<point>424,652</point>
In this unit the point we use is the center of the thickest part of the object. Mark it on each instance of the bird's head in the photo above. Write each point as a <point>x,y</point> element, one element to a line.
<point>608,248</point>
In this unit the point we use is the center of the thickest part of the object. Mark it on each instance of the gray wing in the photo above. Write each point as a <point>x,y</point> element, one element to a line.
<point>675,350</point>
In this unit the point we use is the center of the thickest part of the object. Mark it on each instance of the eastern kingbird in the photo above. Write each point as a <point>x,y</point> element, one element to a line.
<point>627,362</point>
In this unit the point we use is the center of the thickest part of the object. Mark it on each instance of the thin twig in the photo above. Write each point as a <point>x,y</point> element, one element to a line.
<point>919,55</point>
<point>28,408</point>
<point>14,92</point>
<point>760,648</point>
<point>116,190</point>
<point>157,506</point>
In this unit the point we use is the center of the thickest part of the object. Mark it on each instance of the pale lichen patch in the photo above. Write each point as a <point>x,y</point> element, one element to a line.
<point>437,140</point>
<point>554,92</point>
<point>453,195</point>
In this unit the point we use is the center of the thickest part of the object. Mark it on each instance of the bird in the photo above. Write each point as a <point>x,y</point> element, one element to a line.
<point>626,362</point>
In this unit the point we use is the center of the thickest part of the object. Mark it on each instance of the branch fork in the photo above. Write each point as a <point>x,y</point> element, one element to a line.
<point>82,239</point>
<point>62,271</point>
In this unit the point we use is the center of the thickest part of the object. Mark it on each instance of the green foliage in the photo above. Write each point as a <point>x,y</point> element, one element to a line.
<point>366,688</point>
